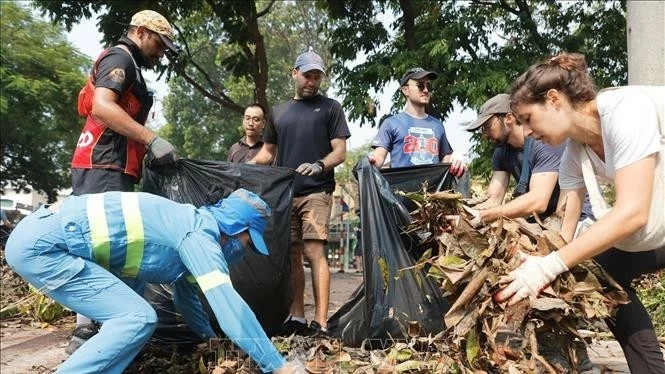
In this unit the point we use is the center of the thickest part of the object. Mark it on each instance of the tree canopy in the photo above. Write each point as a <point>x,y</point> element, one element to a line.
<point>41,75</point>
<point>478,47</point>
<point>200,127</point>
<point>237,52</point>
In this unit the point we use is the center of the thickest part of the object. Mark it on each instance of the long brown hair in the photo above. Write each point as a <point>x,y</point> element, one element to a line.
<point>565,72</point>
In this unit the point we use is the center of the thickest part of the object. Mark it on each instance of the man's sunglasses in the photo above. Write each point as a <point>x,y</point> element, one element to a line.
<point>421,86</point>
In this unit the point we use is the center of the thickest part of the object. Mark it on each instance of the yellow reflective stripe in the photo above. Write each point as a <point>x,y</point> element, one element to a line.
<point>99,231</point>
<point>213,279</point>
<point>190,278</point>
<point>134,226</point>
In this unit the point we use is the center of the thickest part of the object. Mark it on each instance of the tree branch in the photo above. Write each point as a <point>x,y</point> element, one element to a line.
<point>266,10</point>
<point>527,20</point>
<point>408,22</point>
<point>222,99</point>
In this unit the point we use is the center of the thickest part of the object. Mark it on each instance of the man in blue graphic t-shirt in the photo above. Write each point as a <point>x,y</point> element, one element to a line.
<point>413,137</point>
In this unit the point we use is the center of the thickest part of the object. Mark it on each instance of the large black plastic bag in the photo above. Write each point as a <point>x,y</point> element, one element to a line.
<point>262,281</point>
<point>381,308</point>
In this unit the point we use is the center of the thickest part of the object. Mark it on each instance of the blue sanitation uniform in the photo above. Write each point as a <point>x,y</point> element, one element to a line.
<point>92,254</point>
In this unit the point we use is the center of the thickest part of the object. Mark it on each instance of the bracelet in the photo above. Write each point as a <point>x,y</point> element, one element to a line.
<point>320,163</point>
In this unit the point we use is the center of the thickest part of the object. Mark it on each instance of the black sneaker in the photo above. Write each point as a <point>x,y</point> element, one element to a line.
<point>81,335</point>
<point>293,327</point>
<point>316,330</point>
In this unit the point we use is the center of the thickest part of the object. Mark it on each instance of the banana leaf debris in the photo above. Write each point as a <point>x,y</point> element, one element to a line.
<point>482,336</point>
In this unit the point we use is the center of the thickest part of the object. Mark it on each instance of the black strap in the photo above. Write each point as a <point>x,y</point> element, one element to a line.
<point>523,184</point>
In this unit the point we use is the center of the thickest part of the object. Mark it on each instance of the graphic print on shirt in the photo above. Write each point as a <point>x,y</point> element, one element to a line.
<point>421,145</point>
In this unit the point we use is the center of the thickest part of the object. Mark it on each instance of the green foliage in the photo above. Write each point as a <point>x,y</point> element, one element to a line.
<point>202,128</point>
<point>220,41</point>
<point>42,308</point>
<point>652,294</point>
<point>41,75</point>
<point>344,172</point>
<point>477,47</point>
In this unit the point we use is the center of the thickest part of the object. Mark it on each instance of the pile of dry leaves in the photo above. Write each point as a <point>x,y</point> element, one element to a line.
<point>482,336</point>
<point>469,263</point>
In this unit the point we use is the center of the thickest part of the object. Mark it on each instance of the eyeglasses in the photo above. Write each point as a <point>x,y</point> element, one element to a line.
<point>421,86</point>
<point>487,126</point>
<point>252,119</point>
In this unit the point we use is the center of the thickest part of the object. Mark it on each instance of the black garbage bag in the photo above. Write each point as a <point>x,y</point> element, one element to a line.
<point>382,307</point>
<point>262,281</point>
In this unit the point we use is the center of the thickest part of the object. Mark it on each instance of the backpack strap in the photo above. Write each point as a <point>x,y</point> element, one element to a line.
<point>525,174</point>
<point>599,206</point>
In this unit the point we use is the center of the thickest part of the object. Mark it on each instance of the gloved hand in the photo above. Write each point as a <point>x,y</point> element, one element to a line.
<point>535,273</point>
<point>310,169</point>
<point>457,164</point>
<point>161,152</point>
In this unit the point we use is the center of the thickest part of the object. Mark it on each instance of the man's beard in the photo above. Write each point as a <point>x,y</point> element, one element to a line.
<point>301,93</point>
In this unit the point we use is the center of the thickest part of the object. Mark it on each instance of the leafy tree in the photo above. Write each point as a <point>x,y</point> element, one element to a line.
<point>41,75</point>
<point>232,53</point>
<point>478,47</point>
<point>200,127</point>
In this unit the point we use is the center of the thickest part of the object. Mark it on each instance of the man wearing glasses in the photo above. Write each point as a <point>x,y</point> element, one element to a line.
<point>413,137</point>
<point>253,122</point>
<point>539,191</point>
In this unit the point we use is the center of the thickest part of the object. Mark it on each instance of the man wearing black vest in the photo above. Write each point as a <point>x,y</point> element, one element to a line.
<point>114,140</point>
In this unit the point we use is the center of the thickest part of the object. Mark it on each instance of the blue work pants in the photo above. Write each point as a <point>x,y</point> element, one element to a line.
<point>36,250</point>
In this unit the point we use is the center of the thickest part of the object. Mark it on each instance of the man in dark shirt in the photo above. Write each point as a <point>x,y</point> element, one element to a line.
<point>253,122</point>
<point>116,102</point>
<point>500,126</point>
<point>310,132</point>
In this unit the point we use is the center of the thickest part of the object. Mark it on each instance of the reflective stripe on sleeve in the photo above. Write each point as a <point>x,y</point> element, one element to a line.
<point>213,279</point>
<point>99,232</point>
<point>134,226</point>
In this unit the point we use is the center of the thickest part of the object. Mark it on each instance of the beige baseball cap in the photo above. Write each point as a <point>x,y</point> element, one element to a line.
<point>156,22</point>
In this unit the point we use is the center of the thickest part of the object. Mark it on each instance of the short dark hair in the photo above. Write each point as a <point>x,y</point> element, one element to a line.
<point>257,105</point>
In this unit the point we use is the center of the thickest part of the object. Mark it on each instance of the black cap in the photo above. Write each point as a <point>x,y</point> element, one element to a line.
<point>417,73</point>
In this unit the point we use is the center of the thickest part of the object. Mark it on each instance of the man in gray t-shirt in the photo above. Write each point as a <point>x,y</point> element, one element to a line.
<point>499,125</point>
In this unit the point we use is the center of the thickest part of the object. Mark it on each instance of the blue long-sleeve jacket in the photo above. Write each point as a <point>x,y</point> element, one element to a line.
<point>155,240</point>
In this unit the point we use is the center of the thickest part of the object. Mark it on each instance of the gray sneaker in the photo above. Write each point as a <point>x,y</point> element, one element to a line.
<point>81,335</point>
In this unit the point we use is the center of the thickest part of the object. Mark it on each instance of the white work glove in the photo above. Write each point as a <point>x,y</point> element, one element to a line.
<point>535,273</point>
<point>457,164</point>
<point>310,169</point>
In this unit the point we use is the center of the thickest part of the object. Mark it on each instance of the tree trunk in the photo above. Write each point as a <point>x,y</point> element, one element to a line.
<point>408,21</point>
<point>646,42</point>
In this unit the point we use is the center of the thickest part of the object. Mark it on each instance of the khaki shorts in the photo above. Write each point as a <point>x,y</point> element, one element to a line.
<point>310,215</point>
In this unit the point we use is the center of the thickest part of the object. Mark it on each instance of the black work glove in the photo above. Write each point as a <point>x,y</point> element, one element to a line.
<point>310,169</point>
<point>161,152</point>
